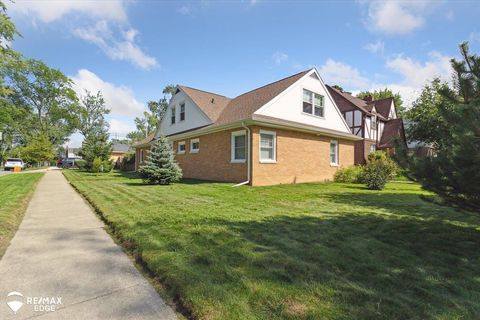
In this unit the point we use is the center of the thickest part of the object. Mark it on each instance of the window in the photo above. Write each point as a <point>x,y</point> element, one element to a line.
<point>373,148</point>
<point>194,145</point>
<point>334,152</point>
<point>182,112</point>
<point>313,103</point>
<point>181,147</point>
<point>268,142</point>
<point>239,146</point>
<point>173,115</point>
<point>354,121</point>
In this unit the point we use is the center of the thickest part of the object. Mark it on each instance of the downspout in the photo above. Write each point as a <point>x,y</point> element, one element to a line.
<point>248,157</point>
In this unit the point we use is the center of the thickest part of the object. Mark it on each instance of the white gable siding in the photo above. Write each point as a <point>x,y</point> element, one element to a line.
<point>289,106</point>
<point>368,131</point>
<point>194,117</point>
<point>393,114</point>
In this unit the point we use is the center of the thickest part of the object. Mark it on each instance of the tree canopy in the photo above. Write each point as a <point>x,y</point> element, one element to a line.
<point>383,94</point>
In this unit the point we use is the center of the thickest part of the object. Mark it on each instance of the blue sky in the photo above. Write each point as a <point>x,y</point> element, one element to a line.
<point>131,49</point>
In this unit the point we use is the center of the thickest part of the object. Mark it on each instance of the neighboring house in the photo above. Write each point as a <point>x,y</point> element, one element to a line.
<point>418,148</point>
<point>288,131</point>
<point>375,121</point>
<point>118,152</point>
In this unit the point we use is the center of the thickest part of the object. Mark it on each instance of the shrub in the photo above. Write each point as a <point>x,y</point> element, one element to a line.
<point>379,169</point>
<point>107,166</point>
<point>81,164</point>
<point>97,165</point>
<point>352,174</point>
<point>160,167</point>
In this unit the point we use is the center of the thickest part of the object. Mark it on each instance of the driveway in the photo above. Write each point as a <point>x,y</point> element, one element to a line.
<point>65,266</point>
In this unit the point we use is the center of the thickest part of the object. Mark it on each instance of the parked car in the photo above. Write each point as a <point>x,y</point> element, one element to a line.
<point>67,163</point>
<point>12,163</point>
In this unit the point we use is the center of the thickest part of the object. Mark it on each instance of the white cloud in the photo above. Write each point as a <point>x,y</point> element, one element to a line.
<point>397,17</point>
<point>377,47</point>
<point>185,10</point>
<point>119,99</point>
<point>416,74</point>
<point>279,57</point>
<point>121,128</point>
<point>334,72</point>
<point>124,48</point>
<point>52,10</point>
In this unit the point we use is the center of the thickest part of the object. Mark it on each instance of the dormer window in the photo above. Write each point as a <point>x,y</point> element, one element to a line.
<point>182,112</point>
<point>313,103</point>
<point>173,115</point>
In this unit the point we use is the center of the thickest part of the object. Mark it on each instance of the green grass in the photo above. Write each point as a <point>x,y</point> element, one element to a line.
<point>307,251</point>
<point>15,191</point>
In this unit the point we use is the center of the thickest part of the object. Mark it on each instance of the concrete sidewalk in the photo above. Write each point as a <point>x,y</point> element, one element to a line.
<point>62,251</point>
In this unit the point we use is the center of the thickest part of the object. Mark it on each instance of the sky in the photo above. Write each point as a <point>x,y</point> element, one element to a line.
<point>130,50</point>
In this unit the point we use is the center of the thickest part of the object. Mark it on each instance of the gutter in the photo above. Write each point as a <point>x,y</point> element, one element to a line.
<point>248,157</point>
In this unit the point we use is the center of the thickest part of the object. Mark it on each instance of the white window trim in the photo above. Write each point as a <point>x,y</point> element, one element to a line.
<point>313,104</point>
<point>141,156</point>
<point>181,143</point>
<point>192,141</point>
<point>334,164</point>
<point>274,160</point>
<point>232,146</point>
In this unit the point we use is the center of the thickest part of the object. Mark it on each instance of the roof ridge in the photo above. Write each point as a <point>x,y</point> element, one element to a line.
<point>266,85</point>
<point>220,95</point>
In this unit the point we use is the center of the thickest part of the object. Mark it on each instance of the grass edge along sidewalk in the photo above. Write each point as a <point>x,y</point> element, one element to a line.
<point>16,191</point>
<point>306,251</point>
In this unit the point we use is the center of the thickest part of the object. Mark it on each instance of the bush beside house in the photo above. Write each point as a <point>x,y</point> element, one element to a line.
<point>160,167</point>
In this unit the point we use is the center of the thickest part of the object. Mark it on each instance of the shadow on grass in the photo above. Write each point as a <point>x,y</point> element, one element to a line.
<point>370,267</point>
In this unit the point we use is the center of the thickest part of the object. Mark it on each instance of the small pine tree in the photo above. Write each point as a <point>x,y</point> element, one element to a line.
<point>160,167</point>
<point>96,145</point>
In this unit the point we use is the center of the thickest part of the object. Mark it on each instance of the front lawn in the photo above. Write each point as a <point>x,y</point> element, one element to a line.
<point>307,251</point>
<point>15,191</point>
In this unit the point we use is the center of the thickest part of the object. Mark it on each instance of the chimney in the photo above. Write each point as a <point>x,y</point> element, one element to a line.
<point>368,98</point>
<point>213,100</point>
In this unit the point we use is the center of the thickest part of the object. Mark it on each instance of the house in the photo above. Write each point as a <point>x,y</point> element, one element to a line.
<point>118,152</point>
<point>288,131</point>
<point>375,121</point>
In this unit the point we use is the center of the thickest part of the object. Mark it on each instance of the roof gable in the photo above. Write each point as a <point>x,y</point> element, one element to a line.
<point>210,103</point>
<point>243,106</point>
<point>383,106</point>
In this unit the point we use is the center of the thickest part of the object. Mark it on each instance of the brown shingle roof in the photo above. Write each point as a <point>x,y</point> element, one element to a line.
<point>243,106</point>
<point>210,103</point>
<point>393,130</point>
<point>383,106</point>
<point>145,141</point>
<point>357,102</point>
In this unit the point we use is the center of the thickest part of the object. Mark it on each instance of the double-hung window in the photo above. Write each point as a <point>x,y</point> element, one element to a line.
<point>268,142</point>
<point>334,153</point>
<point>239,146</point>
<point>313,103</point>
<point>181,147</point>
<point>194,145</point>
<point>182,112</point>
<point>173,116</point>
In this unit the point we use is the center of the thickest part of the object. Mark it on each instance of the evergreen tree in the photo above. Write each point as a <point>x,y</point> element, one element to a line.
<point>96,146</point>
<point>160,167</point>
<point>454,172</point>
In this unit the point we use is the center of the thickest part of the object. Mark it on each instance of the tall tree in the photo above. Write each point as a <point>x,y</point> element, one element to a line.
<point>91,112</point>
<point>454,172</point>
<point>96,145</point>
<point>151,118</point>
<point>49,95</point>
<point>382,94</point>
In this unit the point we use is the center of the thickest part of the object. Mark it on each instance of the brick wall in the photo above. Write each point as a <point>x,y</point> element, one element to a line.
<point>301,157</point>
<point>137,156</point>
<point>213,160</point>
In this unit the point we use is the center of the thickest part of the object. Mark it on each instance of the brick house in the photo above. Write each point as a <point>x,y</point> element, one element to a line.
<point>288,131</point>
<point>375,121</point>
